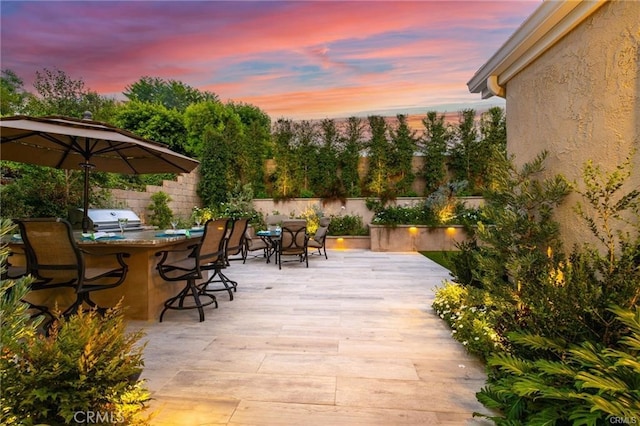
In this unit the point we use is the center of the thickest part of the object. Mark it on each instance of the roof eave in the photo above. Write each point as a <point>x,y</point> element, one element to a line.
<point>546,25</point>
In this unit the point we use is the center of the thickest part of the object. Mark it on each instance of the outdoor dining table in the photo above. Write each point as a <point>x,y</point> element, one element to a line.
<point>271,238</point>
<point>143,292</point>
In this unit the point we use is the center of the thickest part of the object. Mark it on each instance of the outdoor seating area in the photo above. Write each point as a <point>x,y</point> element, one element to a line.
<point>315,346</point>
<point>151,271</point>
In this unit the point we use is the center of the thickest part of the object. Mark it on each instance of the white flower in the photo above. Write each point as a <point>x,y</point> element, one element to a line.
<point>476,338</point>
<point>465,343</point>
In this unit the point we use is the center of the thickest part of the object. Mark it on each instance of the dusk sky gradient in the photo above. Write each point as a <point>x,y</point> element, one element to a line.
<point>298,60</point>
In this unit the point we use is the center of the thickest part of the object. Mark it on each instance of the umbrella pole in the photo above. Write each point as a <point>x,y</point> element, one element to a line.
<point>86,166</point>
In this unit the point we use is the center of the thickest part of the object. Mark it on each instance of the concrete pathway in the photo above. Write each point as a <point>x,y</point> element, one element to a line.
<point>351,340</point>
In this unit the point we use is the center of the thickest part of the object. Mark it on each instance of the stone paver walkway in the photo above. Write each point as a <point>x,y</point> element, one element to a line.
<point>351,340</point>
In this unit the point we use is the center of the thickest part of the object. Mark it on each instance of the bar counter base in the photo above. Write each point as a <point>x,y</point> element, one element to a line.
<point>143,292</point>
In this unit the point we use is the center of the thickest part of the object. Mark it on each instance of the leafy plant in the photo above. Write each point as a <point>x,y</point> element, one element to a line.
<point>519,231</point>
<point>86,363</point>
<point>312,215</point>
<point>443,202</point>
<point>161,212</point>
<point>342,225</point>
<point>240,205</point>
<point>579,384</point>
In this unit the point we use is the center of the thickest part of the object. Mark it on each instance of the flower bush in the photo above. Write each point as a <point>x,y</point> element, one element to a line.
<point>473,316</point>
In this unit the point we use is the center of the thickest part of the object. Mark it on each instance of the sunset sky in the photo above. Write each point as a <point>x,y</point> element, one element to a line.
<point>298,60</point>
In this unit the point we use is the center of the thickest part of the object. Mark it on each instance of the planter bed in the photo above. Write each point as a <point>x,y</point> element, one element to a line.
<point>348,242</point>
<point>416,237</point>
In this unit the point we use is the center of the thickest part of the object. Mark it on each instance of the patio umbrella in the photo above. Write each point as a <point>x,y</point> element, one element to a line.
<point>70,143</point>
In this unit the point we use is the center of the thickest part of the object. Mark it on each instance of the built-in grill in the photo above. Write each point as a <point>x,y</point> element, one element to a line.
<point>106,220</point>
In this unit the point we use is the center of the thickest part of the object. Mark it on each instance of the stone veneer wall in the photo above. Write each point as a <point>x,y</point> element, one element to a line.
<point>182,192</point>
<point>580,100</point>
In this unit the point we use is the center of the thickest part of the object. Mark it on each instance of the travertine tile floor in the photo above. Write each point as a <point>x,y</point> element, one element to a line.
<point>351,340</point>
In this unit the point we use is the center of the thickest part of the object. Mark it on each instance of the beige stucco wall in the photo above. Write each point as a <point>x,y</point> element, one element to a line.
<point>581,100</point>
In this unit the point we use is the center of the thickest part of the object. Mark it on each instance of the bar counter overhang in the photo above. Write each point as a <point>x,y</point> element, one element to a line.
<point>142,293</point>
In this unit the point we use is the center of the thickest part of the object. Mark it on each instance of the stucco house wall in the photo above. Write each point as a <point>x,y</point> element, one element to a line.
<point>579,100</point>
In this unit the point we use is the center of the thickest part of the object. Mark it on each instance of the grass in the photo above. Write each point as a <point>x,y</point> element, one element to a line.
<point>440,257</point>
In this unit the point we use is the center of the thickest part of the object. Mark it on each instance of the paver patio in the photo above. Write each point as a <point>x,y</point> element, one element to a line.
<point>351,340</point>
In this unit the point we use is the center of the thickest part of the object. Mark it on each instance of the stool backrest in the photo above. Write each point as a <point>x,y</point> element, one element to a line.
<point>50,249</point>
<point>211,246</point>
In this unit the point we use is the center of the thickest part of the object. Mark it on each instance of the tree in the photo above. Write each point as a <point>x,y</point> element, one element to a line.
<point>59,94</point>
<point>378,173</point>
<point>306,153</point>
<point>350,156</point>
<point>436,139</point>
<point>153,122</point>
<point>212,188</point>
<point>463,154</point>
<point>171,94</point>
<point>286,183</point>
<point>254,147</point>
<point>201,116</point>
<point>13,97</point>
<point>328,184</point>
<point>493,141</point>
<point>39,191</point>
<point>404,145</point>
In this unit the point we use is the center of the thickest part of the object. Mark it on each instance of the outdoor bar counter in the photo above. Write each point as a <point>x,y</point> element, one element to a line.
<point>143,292</point>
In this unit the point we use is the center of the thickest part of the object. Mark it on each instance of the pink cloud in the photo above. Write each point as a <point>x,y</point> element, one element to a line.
<point>298,58</point>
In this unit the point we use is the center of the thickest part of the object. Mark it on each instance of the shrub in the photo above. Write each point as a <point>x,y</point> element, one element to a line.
<point>312,215</point>
<point>162,213</point>
<point>443,202</point>
<point>566,357</point>
<point>86,362</point>
<point>343,225</point>
<point>404,215</point>
<point>585,384</point>
<point>474,316</point>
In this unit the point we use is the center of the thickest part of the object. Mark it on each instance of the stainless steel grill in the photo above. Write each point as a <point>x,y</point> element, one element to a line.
<point>106,220</point>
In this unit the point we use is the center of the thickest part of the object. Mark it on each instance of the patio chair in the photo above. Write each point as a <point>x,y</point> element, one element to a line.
<point>253,243</point>
<point>191,264</point>
<point>293,241</point>
<point>275,220</point>
<point>232,246</point>
<point>13,272</point>
<point>235,242</point>
<point>318,240</point>
<point>55,261</point>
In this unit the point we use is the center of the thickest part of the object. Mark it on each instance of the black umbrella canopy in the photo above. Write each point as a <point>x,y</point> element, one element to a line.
<point>70,143</point>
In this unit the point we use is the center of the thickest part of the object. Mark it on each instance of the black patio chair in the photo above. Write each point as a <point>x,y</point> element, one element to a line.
<point>320,237</point>
<point>191,264</point>
<point>232,246</point>
<point>55,261</point>
<point>293,241</point>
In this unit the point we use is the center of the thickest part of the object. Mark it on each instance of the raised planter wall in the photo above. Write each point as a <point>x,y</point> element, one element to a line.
<point>416,238</point>
<point>352,206</point>
<point>348,242</point>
